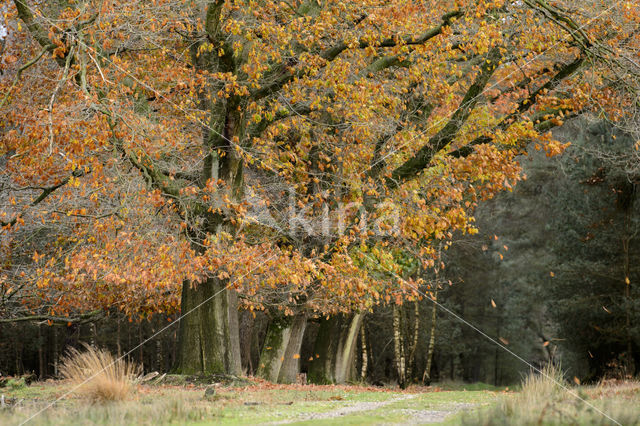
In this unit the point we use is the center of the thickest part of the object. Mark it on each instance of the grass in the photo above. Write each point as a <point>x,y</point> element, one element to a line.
<point>547,399</point>
<point>98,375</point>
<point>540,401</point>
<point>254,404</point>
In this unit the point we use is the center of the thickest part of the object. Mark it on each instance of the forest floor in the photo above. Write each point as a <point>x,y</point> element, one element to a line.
<point>49,403</point>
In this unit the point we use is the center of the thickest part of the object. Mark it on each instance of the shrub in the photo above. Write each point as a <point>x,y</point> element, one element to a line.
<point>98,375</point>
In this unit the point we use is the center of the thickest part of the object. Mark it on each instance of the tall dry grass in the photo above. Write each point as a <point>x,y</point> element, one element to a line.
<point>547,399</point>
<point>98,375</point>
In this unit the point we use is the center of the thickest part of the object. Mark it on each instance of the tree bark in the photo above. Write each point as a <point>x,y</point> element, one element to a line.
<point>626,241</point>
<point>234,357</point>
<point>426,377</point>
<point>335,349</point>
<point>398,344</point>
<point>290,367</point>
<point>416,335</point>
<point>274,348</point>
<point>203,343</point>
<point>365,354</point>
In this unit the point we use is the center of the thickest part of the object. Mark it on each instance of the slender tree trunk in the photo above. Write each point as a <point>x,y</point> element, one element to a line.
<point>234,358</point>
<point>426,377</point>
<point>627,288</point>
<point>141,346</point>
<point>398,344</point>
<point>159,359</point>
<point>496,361</point>
<point>56,351</point>
<point>94,334</point>
<point>365,354</point>
<point>118,337</point>
<point>416,335</point>
<point>41,364</point>
<point>335,349</point>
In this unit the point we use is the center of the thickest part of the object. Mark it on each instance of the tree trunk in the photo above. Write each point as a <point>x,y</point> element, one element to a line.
<point>335,349</point>
<point>234,357</point>
<point>118,337</point>
<point>398,344</point>
<point>291,364</point>
<point>209,336</point>
<point>204,336</point>
<point>280,356</point>
<point>365,354</point>
<point>416,335</point>
<point>426,377</point>
<point>41,344</point>
<point>630,364</point>
<point>274,348</point>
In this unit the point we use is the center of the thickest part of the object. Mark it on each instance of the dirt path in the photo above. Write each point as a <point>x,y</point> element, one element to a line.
<point>417,416</point>
<point>435,416</point>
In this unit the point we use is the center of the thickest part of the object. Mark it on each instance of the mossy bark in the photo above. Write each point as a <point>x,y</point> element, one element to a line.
<point>335,350</point>
<point>204,329</point>
<point>274,348</point>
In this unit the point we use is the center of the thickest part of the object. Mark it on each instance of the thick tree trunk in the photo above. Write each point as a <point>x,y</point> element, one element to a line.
<point>335,349</point>
<point>204,338</point>
<point>274,348</point>
<point>280,356</point>
<point>291,364</point>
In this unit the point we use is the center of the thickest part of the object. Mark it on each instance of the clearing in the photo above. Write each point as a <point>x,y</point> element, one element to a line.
<point>251,403</point>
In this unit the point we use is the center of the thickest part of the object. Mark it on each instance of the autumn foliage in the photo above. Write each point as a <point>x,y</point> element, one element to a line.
<point>306,153</point>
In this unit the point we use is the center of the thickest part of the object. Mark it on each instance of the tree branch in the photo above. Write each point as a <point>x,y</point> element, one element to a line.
<point>60,320</point>
<point>523,106</point>
<point>36,30</point>
<point>413,166</point>
<point>46,191</point>
<point>333,52</point>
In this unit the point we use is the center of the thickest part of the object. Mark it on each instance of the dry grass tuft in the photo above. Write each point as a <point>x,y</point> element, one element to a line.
<point>548,399</point>
<point>98,375</point>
